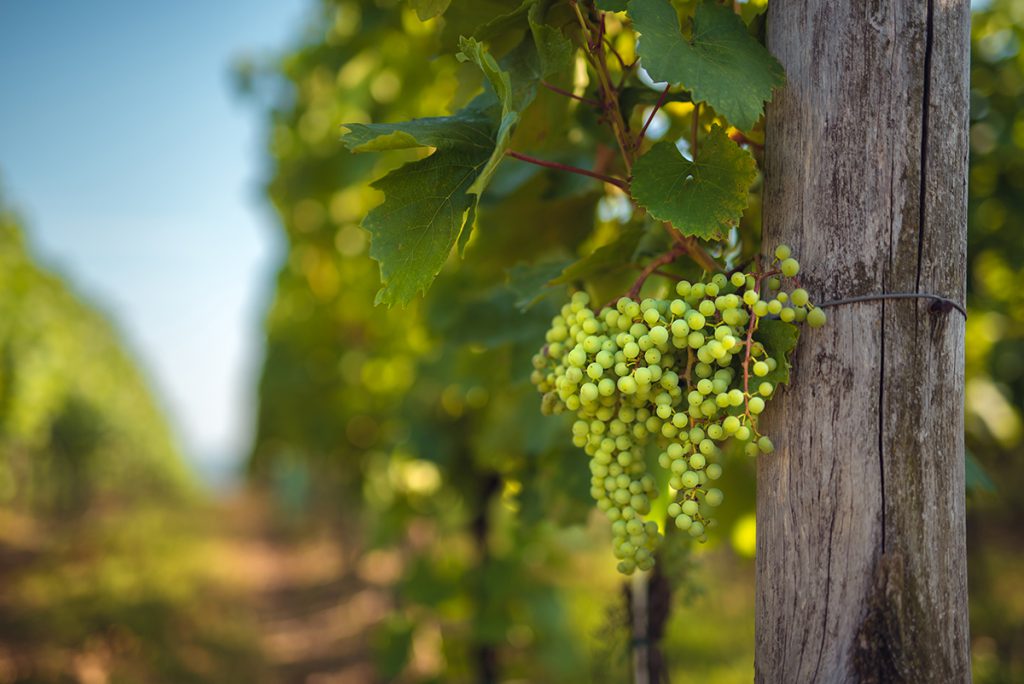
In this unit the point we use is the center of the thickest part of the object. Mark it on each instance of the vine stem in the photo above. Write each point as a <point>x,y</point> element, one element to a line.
<point>751,327</point>
<point>641,647</point>
<point>573,96</point>
<point>668,257</point>
<point>609,95</point>
<point>740,138</point>
<point>618,182</point>
<point>657,106</point>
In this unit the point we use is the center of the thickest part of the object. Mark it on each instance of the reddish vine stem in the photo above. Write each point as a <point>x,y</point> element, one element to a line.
<point>566,167</point>
<point>657,106</point>
<point>609,95</point>
<point>741,139</point>
<point>667,258</point>
<point>573,96</point>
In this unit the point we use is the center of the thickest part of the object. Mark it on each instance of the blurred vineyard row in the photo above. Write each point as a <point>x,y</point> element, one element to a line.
<point>412,437</point>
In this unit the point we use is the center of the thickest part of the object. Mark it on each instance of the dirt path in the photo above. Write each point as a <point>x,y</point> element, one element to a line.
<point>313,606</point>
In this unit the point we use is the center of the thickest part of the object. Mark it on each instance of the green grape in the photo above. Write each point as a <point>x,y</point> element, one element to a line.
<point>738,279</point>
<point>765,445</point>
<point>790,267</point>
<point>714,497</point>
<point>816,318</point>
<point>782,252</point>
<point>714,471</point>
<point>760,368</point>
<point>800,297</point>
<point>787,315</point>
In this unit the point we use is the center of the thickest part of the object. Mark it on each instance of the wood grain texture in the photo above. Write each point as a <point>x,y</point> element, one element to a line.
<point>861,565</point>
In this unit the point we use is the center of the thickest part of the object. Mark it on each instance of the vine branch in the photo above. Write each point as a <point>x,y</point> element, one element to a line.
<point>618,182</point>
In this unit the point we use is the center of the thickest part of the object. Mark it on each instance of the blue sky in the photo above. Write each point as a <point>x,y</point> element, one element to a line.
<point>138,172</point>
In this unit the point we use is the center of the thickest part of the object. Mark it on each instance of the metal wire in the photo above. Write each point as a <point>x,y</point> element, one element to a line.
<point>940,303</point>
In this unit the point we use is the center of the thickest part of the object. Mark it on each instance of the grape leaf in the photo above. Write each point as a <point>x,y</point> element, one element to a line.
<point>554,49</point>
<point>414,229</point>
<point>429,205</point>
<point>529,282</point>
<point>615,254</point>
<point>428,9</point>
<point>722,64</point>
<point>468,128</point>
<point>702,197</point>
<point>779,340</point>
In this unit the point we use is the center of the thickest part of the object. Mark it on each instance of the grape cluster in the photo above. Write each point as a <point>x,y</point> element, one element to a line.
<point>684,374</point>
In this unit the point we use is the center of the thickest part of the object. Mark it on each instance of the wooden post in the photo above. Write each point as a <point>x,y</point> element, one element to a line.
<point>861,568</point>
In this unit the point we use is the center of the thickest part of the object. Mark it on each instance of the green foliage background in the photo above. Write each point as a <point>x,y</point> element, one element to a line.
<point>414,431</point>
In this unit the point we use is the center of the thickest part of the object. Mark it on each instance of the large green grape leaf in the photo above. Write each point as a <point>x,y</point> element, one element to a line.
<point>779,340</point>
<point>722,64</point>
<point>703,197</point>
<point>420,219</point>
<point>429,205</point>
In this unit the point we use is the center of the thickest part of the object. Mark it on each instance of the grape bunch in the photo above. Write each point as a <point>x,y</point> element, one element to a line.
<point>683,374</point>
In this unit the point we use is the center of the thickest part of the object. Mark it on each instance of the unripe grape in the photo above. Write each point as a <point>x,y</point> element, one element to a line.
<point>707,308</point>
<point>684,522</point>
<point>659,335</point>
<point>787,315</point>
<point>800,297</point>
<point>790,267</point>
<point>714,497</point>
<point>697,461</point>
<point>738,279</point>
<point>774,306</point>
<point>713,471</point>
<point>696,529</point>
<point>689,479</point>
<point>816,318</point>
<point>765,389</point>
<point>627,385</point>
<point>782,252</point>
<point>652,316</point>
<point>765,445</point>
<point>711,289</point>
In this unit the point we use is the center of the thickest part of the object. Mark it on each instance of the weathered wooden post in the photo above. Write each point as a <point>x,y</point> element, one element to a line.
<point>861,540</point>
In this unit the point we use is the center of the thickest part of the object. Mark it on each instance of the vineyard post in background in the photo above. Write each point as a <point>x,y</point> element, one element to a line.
<point>861,568</point>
